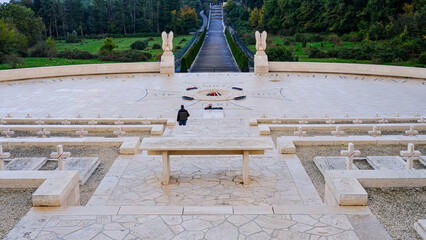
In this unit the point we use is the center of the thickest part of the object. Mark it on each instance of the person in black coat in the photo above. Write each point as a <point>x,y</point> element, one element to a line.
<point>182,116</point>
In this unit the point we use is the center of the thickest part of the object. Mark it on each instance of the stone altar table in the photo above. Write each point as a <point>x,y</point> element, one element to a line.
<point>205,146</point>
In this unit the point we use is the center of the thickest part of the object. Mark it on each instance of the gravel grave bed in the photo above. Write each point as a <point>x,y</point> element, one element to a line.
<point>404,202</point>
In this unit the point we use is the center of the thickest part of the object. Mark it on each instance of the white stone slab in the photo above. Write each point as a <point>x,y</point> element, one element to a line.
<point>332,163</point>
<point>25,164</point>
<point>203,210</point>
<point>386,162</point>
<point>422,159</point>
<point>84,166</point>
<point>420,227</point>
<point>213,114</point>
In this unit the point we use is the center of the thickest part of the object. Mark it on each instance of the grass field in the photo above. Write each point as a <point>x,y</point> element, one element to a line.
<point>45,62</point>
<point>93,45</point>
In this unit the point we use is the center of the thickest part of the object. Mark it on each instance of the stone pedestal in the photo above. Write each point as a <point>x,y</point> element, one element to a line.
<point>261,65</point>
<point>167,65</point>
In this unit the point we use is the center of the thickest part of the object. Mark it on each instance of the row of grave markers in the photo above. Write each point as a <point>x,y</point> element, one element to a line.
<point>346,115</point>
<point>66,122</point>
<point>338,132</point>
<point>78,116</point>
<point>303,120</point>
<point>45,133</point>
<point>410,153</point>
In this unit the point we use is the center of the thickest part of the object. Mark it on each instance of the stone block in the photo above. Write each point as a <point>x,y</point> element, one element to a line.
<point>157,130</point>
<point>347,191</point>
<point>264,130</point>
<point>84,166</point>
<point>130,146</point>
<point>261,64</point>
<point>386,162</point>
<point>253,122</point>
<point>167,64</point>
<point>171,122</point>
<point>285,146</point>
<point>420,227</point>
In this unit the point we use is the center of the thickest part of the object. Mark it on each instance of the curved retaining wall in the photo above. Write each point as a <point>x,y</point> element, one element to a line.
<point>73,70</point>
<point>348,68</point>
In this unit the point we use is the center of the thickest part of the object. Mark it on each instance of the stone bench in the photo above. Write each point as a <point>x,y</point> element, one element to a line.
<point>85,121</point>
<point>54,188</point>
<point>128,145</point>
<point>167,146</point>
<point>336,119</point>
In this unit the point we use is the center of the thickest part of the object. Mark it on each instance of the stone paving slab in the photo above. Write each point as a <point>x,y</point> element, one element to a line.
<point>85,166</point>
<point>304,226</point>
<point>25,164</point>
<point>332,163</point>
<point>386,162</point>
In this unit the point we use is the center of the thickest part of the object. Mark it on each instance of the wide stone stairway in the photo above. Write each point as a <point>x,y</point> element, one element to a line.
<point>215,55</point>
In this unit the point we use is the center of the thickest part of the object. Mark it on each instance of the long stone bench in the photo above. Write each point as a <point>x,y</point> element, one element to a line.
<point>287,144</point>
<point>128,145</point>
<point>337,120</point>
<point>155,130</point>
<point>83,121</point>
<point>54,188</point>
<point>346,187</point>
<point>167,146</point>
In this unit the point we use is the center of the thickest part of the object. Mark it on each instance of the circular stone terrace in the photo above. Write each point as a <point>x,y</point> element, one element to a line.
<point>205,198</point>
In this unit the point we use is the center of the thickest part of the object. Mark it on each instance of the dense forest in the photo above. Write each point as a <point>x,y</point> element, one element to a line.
<point>383,30</point>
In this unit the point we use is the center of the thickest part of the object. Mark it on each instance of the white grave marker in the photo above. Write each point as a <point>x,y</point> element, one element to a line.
<point>350,154</point>
<point>337,133</point>
<point>374,132</point>
<point>44,133</point>
<point>7,133</point>
<point>300,132</point>
<point>326,115</point>
<point>39,122</point>
<point>284,116</point>
<point>276,121</point>
<point>92,122</point>
<point>347,115</point>
<point>330,121</point>
<point>303,121</point>
<point>119,132</point>
<point>79,116</point>
<point>49,116</point>
<point>377,115</point>
<point>66,122</point>
<point>417,114</point>
<point>60,155</point>
<point>357,121</point>
<point>383,120</point>
<point>9,116</point>
<point>28,116</point>
<point>3,155</point>
<point>2,121</point>
<point>410,154</point>
<point>422,120</point>
<point>118,122</point>
<point>99,116</point>
<point>412,132</point>
<point>81,132</point>
<point>397,114</point>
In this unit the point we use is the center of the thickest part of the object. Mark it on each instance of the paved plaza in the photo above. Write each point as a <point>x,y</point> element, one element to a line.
<point>205,198</point>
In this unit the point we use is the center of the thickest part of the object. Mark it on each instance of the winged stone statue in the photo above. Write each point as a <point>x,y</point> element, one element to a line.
<point>167,41</point>
<point>261,41</point>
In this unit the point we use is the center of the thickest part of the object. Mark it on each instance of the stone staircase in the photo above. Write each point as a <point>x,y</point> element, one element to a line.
<point>216,12</point>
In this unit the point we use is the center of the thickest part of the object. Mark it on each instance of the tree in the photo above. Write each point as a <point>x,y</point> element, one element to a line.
<point>254,17</point>
<point>108,46</point>
<point>6,40</point>
<point>188,19</point>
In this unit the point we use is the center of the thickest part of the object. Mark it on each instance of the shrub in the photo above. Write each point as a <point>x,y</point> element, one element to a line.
<point>422,58</point>
<point>156,46</point>
<point>139,45</point>
<point>14,60</point>
<point>178,47</point>
<point>192,53</point>
<point>334,39</point>
<point>72,39</point>
<point>39,50</point>
<point>76,54</point>
<point>108,46</point>
<point>316,53</point>
<point>353,37</point>
<point>125,56</point>
<point>182,41</point>
<point>158,57</point>
<point>21,53</point>
<point>239,56</point>
<point>281,54</point>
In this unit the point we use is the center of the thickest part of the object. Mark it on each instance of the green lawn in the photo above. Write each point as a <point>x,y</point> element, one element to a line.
<point>93,45</point>
<point>45,62</point>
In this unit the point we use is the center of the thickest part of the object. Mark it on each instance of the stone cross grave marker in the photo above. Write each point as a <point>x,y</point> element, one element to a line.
<point>2,121</point>
<point>3,155</point>
<point>99,116</point>
<point>119,122</point>
<point>263,116</point>
<point>66,122</point>
<point>43,133</point>
<point>284,116</point>
<point>422,120</point>
<point>119,132</point>
<point>7,133</point>
<point>330,121</point>
<point>81,132</point>
<point>79,116</point>
<point>303,121</point>
<point>305,116</point>
<point>9,116</point>
<point>145,122</point>
<point>374,132</point>
<point>410,153</point>
<point>337,133</point>
<point>417,114</point>
<point>350,154</point>
<point>49,116</point>
<point>39,122</point>
<point>326,115</point>
<point>357,121</point>
<point>397,114</point>
<point>383,120</point>
<point>377,115</point>
<point>276,121</point>
<point>412,132</point>
<point>347,115</point>
<point>60,155</point>
<point>28,116</point>
<point>300,132</point>
<point>92,122</point>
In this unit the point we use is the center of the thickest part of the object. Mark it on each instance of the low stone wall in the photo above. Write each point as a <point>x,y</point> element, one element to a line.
<point>348,68</point>
<point>75,70</point>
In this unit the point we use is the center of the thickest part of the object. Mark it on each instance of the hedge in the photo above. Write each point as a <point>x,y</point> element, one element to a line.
<point>239,56</point>
<point>190,56</point>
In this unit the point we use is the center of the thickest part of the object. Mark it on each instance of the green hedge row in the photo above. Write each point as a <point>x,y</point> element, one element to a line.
<point>239,56</point>
<point>189,58</point>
